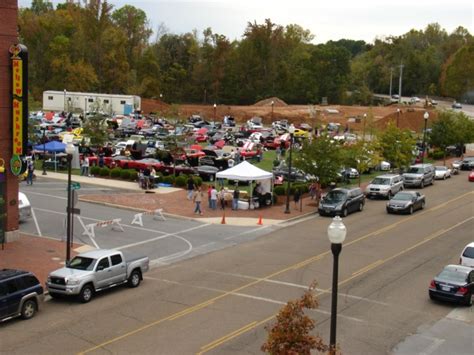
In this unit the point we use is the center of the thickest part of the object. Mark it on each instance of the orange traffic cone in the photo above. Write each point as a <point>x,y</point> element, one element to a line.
<point>260,223</point>
<point>223,218</point>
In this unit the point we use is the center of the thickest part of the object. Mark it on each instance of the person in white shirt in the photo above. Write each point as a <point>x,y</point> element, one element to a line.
<point>230,163</point>
<point>213,198</point>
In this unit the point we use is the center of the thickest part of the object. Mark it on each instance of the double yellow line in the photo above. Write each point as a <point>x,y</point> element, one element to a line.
<point>292,267</point>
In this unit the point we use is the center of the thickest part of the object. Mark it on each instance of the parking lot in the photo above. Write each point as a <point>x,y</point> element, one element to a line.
<point>164,241</point>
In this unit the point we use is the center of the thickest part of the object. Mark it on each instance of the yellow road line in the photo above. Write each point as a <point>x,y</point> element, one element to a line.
<point>356,274</point>
<point>215,343</point>
<point>291,267</point>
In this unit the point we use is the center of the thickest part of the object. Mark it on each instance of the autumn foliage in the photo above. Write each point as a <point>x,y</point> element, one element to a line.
<point>291,334</point>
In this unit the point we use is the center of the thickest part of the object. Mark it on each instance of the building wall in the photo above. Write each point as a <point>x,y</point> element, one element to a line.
<point>8,36</point>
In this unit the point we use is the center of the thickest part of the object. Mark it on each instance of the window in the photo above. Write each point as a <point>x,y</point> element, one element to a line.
<point>50,98</point>
<point>29,281</point>
<point>103,264</point>
<point>11,286</point>
<point>469,253</point>
<point>123,102</point>
<point>69,99</point>
<point>116,259</point>
<point>3,290</point>
<point>90,100</point>
<point>106,101</point>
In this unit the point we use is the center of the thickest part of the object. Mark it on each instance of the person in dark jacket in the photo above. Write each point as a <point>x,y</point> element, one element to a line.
<point>190,187</point>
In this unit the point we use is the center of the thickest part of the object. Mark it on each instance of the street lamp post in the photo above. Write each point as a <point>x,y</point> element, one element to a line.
<point>425,116</point>
<point>336,234</point>
<point>273,103</point>
<point>44,150</point>
<point>215,111</point>
<point>398,117</point>
<point>64,100</point>
<point>291,130</point>
<point>69,151</point>
<point>363,130</point>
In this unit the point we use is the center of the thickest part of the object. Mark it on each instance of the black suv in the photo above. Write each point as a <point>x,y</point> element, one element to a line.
<point>341,202</point>
<point>20,294</point>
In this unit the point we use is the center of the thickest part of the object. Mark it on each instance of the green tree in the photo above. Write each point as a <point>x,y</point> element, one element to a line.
<point>321,158</point>
<point>396,146</point>
<point>361,155</point>
<point>95,127</point>
<point>443,131</point>
<point>464,128</point>
<point>458,74</point>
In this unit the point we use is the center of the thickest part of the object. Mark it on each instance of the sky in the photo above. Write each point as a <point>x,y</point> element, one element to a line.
<point>326,20</point>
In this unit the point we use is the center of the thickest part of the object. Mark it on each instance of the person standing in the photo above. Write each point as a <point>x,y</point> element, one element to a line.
<point>235,198</point>
<point>85,166</point>
<point>213,198</point>
<point>197,199</point>
<point>222,193</point>
<point>209,192</point>
<point>30,170</point>
<point>296,197</point>
<point>190,186</point>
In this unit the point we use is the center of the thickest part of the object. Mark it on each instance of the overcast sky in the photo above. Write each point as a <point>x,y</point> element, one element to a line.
<point>328,20</point>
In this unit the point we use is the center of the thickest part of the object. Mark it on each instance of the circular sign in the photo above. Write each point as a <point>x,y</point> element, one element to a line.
<point>17,165</point>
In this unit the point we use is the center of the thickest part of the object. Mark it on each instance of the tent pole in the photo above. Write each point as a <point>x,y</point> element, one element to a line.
<point>251,195</point>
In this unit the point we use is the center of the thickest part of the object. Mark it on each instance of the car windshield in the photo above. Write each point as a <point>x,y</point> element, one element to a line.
<point>415,171</point>
<point>81,263</point>
<point>469,253</point>
<point>381,181</point>
<point>403,196</point>
<point>441,168</point>
<point>335,196</point>
<point>452,275</point>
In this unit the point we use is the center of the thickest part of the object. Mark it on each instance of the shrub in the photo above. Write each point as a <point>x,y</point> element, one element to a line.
<point>133,175</point>
<point>198,180</point>
<point>437,154</point>
<point>95,170</point>
<point>169,179</point>
<point>180,181</point>
<point>158,177</point>
<point>125,174</point>
<point>104,171</point>
<point>115,172</point>
<point>279,190</point>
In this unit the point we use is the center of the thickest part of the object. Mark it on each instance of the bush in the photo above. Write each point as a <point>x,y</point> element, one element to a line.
<point>104,171</point>
<point>279,190</point>
<point>125,174</point>
<point>169,179</point>
<point>95,170</point>
<point>115,173</point>
<point>158,177</point>
<point>437,154</point>
<point>133,175</point>
<point>198,180</point>
<point>180,181</point>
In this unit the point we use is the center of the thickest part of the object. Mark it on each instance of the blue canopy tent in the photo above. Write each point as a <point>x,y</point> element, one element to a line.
<point>51,147</point>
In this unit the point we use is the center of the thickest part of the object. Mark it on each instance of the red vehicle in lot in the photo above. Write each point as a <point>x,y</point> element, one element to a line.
<point>249,150</point>
<point>146,163</point>
<point>471,176</point>
<point>178,169</point>
<point>120,161</point>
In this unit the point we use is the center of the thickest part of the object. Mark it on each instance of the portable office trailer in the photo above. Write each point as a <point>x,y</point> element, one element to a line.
<point>85,101</point>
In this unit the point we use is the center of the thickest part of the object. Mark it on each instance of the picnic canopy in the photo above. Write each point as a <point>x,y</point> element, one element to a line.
<point>244,172</point>
<point>51,147</point>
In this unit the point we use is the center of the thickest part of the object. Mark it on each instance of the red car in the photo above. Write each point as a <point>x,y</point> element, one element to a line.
<point>471,176</point>
<point>144,163</point>
<point>120,161</point>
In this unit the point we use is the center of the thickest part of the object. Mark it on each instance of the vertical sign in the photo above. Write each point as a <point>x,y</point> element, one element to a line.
<point>19,98</point>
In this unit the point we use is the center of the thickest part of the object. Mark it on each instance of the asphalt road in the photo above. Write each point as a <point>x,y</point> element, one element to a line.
<point>219,303</point>
<point>164,241</point>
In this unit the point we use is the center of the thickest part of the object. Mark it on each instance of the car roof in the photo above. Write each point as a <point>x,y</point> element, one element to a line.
<point>9,273</point>
<point>387,176</point>
<point>98,253</point>
<point>406,192</point>
<point>459,268</point>
<point>470,245</point>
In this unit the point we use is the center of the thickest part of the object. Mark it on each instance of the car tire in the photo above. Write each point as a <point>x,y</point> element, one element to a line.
<point>388,211</point>
<point>422,205</point>
<point>28,309</point>
<point>344,212</point>
<point>86,294</point>
<point>361,207</point>
<point>444,177</point>
<point>54,295</point>
<point>390,195</point>
<point>422,184</point>
<point>410,210</point>
<point>134,279</point>
<point>468,302</point>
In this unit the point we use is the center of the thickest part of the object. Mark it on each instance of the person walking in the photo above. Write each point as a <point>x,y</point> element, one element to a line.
<point>30,170</point>
<point>213,198</point>
<point>85,166</point>
<point>209,191</point>
<point>312,190</point>
<point>235,198</point>
<point>190,186</point>
<point>222,193</point>
<point>296,197</point>
<point>197,199</point>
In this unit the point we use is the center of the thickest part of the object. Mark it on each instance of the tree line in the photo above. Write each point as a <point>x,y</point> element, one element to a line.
<point>95,48</point>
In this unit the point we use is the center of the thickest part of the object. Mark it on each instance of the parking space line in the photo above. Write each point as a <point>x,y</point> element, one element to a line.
<point>46,195</point>
<point>33,214</point>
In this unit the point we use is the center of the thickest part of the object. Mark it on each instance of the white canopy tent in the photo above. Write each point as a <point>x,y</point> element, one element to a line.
<point>248,172</point>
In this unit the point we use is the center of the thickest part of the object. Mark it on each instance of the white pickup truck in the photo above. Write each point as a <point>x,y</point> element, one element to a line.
<point>94,271</point>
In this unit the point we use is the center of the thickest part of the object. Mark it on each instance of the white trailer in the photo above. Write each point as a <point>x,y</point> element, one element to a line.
<point>86,101</point>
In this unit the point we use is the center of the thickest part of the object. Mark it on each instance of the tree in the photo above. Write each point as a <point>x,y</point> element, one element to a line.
<point>397,146</point>
<point>291,332</point>
<point>443,132</point>
<point>464,128</point>
<point>95,126</point>
<point>361,155</point>
<point>321,158</point>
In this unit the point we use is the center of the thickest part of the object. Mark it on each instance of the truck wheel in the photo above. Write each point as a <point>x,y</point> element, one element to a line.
<point>86,294</point>
<point>134,279</point>
<point>345,212</point>
<point>28,309</point>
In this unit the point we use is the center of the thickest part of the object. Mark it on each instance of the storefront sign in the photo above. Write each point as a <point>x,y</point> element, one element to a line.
<point>17,165</point>
<point>19,98</point>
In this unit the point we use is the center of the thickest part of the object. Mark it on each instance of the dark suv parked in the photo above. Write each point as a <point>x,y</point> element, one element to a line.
<point>342,202</point>
<point>20,294</point>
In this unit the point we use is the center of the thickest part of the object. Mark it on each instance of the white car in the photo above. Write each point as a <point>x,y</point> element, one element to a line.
<point>467,255</point>
<point>442,172</point>
<point>24,207</point>
<point>384,186</point>
<point>385,166</point>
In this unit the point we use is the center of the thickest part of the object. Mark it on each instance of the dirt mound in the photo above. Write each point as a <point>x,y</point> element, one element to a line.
<point>268,102</point>
<point>411,119</point>
<point>154,105</point>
